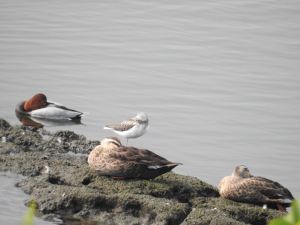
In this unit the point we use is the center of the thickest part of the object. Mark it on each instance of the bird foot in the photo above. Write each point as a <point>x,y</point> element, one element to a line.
<point>281,208</point>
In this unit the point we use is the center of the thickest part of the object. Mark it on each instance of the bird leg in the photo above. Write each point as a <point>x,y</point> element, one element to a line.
<point>281,208</point>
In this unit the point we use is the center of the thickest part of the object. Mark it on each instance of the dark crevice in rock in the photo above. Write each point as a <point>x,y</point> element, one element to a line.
<point>87,180</point>
<point>55,180</point>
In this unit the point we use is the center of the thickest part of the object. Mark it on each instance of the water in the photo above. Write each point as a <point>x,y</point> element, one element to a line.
<point>12,206</point>
<point>218,80</point>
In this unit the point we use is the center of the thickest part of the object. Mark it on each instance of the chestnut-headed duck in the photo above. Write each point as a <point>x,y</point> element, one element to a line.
<point>112,159</point>
<point>241,186</point>
<point>39,107</point>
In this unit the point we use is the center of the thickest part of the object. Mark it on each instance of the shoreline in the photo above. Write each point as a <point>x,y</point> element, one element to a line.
<point>71,187</point>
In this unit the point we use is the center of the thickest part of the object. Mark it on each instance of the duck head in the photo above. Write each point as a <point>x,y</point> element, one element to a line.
<point>241,172</point>
<point>36,102</point>
<point>111,142</point>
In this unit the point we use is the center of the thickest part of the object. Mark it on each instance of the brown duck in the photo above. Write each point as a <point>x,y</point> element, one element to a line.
<point>241,186</point>
<point>112,159</point>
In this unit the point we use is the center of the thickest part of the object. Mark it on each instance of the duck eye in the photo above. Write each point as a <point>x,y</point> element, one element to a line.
<point>117,144</point>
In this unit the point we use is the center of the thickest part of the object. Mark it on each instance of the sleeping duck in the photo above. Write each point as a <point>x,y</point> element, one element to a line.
<point>39,107</point>
<point>112,159</point>
<point>241,186</point>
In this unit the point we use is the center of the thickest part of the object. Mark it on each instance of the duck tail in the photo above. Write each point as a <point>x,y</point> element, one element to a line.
<point>84,114</point>
<point>173,164</point>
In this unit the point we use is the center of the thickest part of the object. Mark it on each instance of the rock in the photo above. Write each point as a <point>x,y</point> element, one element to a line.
<point>4,124</point>
<point>64,184</point>
<point>223,211</point>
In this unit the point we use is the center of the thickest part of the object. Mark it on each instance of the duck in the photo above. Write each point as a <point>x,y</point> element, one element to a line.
<point>131,128</point>
<point>39,107</point>
<point>110,158</point>
<point>35,123</point>
<point>241,186</point>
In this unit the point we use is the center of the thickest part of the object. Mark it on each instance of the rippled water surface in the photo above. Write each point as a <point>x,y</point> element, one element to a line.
<point>219,80</point>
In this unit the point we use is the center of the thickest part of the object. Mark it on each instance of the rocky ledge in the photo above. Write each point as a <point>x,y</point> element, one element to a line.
<point>61,182</point>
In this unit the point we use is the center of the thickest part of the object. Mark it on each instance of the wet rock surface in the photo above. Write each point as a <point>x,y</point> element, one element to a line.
<point>61,182</point>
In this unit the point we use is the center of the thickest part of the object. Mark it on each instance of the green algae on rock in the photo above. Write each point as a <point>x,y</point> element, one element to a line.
<point>63,183</point>
<point>223,211</point>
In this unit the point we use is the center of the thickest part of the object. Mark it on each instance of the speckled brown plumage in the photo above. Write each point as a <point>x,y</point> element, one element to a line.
<point>125,125</point>
<point>243,187</point>
<point>112,159</point>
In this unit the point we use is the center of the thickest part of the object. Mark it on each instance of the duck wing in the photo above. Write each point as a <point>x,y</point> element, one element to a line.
<point>142,156</point>
<point>259,190</point>
<point>59,106</point>
<point>141,162</point>
<point>271,189</point>
<point>56,111</point>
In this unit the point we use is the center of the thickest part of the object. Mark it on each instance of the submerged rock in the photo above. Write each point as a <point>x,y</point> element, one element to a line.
<point>63,184</point>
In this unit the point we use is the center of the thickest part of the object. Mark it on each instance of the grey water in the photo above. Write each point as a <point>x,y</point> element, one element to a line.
<point>219,80</point>
<point>12,208</point>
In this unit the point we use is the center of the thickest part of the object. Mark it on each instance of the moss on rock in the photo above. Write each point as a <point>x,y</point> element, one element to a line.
<point>64,184</point>
<point>224,211</point>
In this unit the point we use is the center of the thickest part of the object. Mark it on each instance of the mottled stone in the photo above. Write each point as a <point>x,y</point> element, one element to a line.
<point>63,184</point>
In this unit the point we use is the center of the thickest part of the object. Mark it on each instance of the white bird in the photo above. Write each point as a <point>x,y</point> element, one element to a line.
<point>131,128</point>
